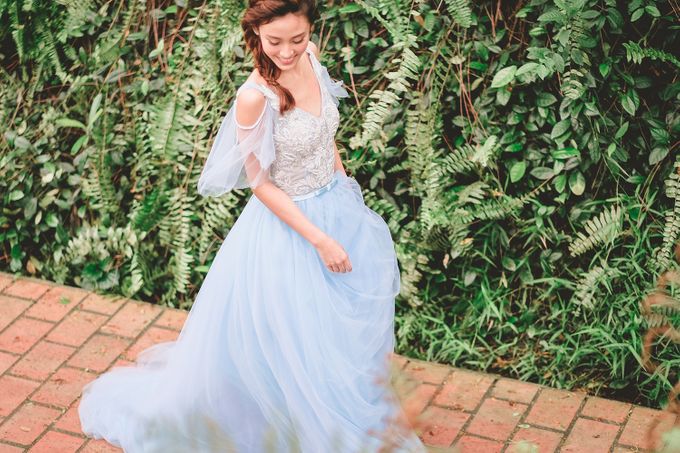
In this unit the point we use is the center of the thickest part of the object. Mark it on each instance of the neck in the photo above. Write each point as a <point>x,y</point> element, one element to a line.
<point>296,71</point>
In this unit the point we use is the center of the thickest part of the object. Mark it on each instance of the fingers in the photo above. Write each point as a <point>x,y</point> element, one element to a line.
<point>342,267</point>
<point>348,266</point>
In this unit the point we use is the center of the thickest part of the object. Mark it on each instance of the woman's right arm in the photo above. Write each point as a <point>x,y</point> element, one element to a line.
<point>248,109</point>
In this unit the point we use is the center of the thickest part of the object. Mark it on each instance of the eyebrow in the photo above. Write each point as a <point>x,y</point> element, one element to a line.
<point>276,37</point>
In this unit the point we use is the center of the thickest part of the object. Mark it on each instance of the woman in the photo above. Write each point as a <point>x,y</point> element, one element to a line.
<point>286,347</point>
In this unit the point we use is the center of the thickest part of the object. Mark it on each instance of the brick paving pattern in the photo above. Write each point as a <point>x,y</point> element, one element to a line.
<point>54,339</point>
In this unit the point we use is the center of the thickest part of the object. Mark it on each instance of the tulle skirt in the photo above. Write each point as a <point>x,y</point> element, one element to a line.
<point>278,353</point>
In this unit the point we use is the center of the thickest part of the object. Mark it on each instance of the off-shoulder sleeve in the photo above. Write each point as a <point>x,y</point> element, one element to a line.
<point>334,87</point>
<point>240,156</point>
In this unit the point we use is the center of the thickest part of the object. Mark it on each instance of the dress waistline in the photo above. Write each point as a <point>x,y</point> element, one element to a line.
<point>315,192</point>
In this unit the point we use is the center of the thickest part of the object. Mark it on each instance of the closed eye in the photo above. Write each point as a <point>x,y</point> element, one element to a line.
<point>277,43</point>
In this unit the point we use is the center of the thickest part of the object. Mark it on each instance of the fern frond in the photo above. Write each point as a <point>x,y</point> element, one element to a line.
<point>671,231</point>
<point>460,12</point>
<point>572,84</point>
<point>392,214</point>
<point>602,229</point>
<point>135,281</point>
<point>97,183</point>
<point>467,157</point>
<point>410,263</point>
<point>385,100</point>
<point>458,161</point>
<point>148,213</point>
<point>498,209</point>
<point>179,219</point>
<point>170,126</point>
<point>636,53</point>
<point>421,136</point>
<point>655,320</point>
<point>485,152</point>
<point>473,193</point>
<point>78,14</point>
<point>589,283</point>
<point>218,215</point>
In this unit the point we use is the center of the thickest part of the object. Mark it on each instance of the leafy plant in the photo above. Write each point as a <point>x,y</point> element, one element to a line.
<point>517,151</point>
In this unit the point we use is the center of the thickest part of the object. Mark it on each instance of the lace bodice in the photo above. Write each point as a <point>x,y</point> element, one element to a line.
<point>304,142</point>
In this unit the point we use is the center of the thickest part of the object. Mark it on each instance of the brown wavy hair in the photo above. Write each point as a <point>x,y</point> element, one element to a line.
<point>261,12</point>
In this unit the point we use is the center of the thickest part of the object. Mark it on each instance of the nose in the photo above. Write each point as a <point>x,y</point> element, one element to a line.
<point>286,53</point>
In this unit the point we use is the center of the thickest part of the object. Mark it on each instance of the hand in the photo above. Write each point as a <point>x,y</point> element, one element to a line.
<point>333,255</point>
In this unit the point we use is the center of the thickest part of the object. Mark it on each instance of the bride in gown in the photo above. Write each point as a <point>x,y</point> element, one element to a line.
<point>287,345</point>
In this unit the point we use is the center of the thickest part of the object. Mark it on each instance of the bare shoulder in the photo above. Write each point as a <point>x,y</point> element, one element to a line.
<point>249,105</point>
<point>256,77</point>
<point>314,48</point>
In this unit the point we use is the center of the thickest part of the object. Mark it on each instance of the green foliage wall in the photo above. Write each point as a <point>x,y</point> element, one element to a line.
<point>524,154</point>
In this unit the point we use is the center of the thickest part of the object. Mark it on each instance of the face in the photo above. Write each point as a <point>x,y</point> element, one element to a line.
<point>285,39</point>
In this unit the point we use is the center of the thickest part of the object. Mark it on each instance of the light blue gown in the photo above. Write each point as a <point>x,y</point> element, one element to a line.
<point>278,353</point>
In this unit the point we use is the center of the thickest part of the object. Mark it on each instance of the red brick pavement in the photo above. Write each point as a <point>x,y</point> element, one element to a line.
<point>54,339</point>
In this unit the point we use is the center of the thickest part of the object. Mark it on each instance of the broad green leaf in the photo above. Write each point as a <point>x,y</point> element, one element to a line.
<point>628,104</point>
<point>16,251</point>
<point>542,172</point>
<point>577,183</point>
<point>657,155</point>
<point>504,77</point>
<point>622,130</point>
<point>545,99</point>
<point>30,207</point>
<point>509,264</point>
<point>16,195</point>
<point>615,19</point>
<point>158,50</point>
<point>637,14</point>
<point>95,111</point>
<point>653,11</point>
<point>610,149</point>
<point>604,69</point>
<point>590,14</point>
<point>517,170</point>
<point>22,143</point>
<point>558,166</point>
<point>660,135</point>
<point>348,28</point>
<point>51,220</point>
<point>526,68</point>
<point>560,128</point>
<point>478,66</point>
<point>68,122</point>
<point>78,144</point>
<point>351,8</point>
<point>469,277</point>
<point>502,97</point>
<point>514,147</point>
<point>565,153</point>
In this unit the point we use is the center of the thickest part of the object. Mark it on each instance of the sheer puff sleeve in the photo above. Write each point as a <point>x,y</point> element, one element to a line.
<point>334,87</point>
<point>240,155</point>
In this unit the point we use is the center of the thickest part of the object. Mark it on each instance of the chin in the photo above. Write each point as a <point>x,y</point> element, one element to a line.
<point>286,65</point>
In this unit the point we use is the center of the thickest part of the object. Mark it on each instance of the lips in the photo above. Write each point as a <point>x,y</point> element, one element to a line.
<point>286,61</point>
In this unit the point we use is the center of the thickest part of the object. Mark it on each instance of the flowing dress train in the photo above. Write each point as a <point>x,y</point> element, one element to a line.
<point>278,353</point>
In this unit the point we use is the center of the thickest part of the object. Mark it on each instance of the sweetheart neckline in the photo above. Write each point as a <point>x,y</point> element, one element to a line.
<point>318,82</point>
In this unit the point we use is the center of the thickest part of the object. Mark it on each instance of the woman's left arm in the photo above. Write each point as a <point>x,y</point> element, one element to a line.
<point>338,161</point>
